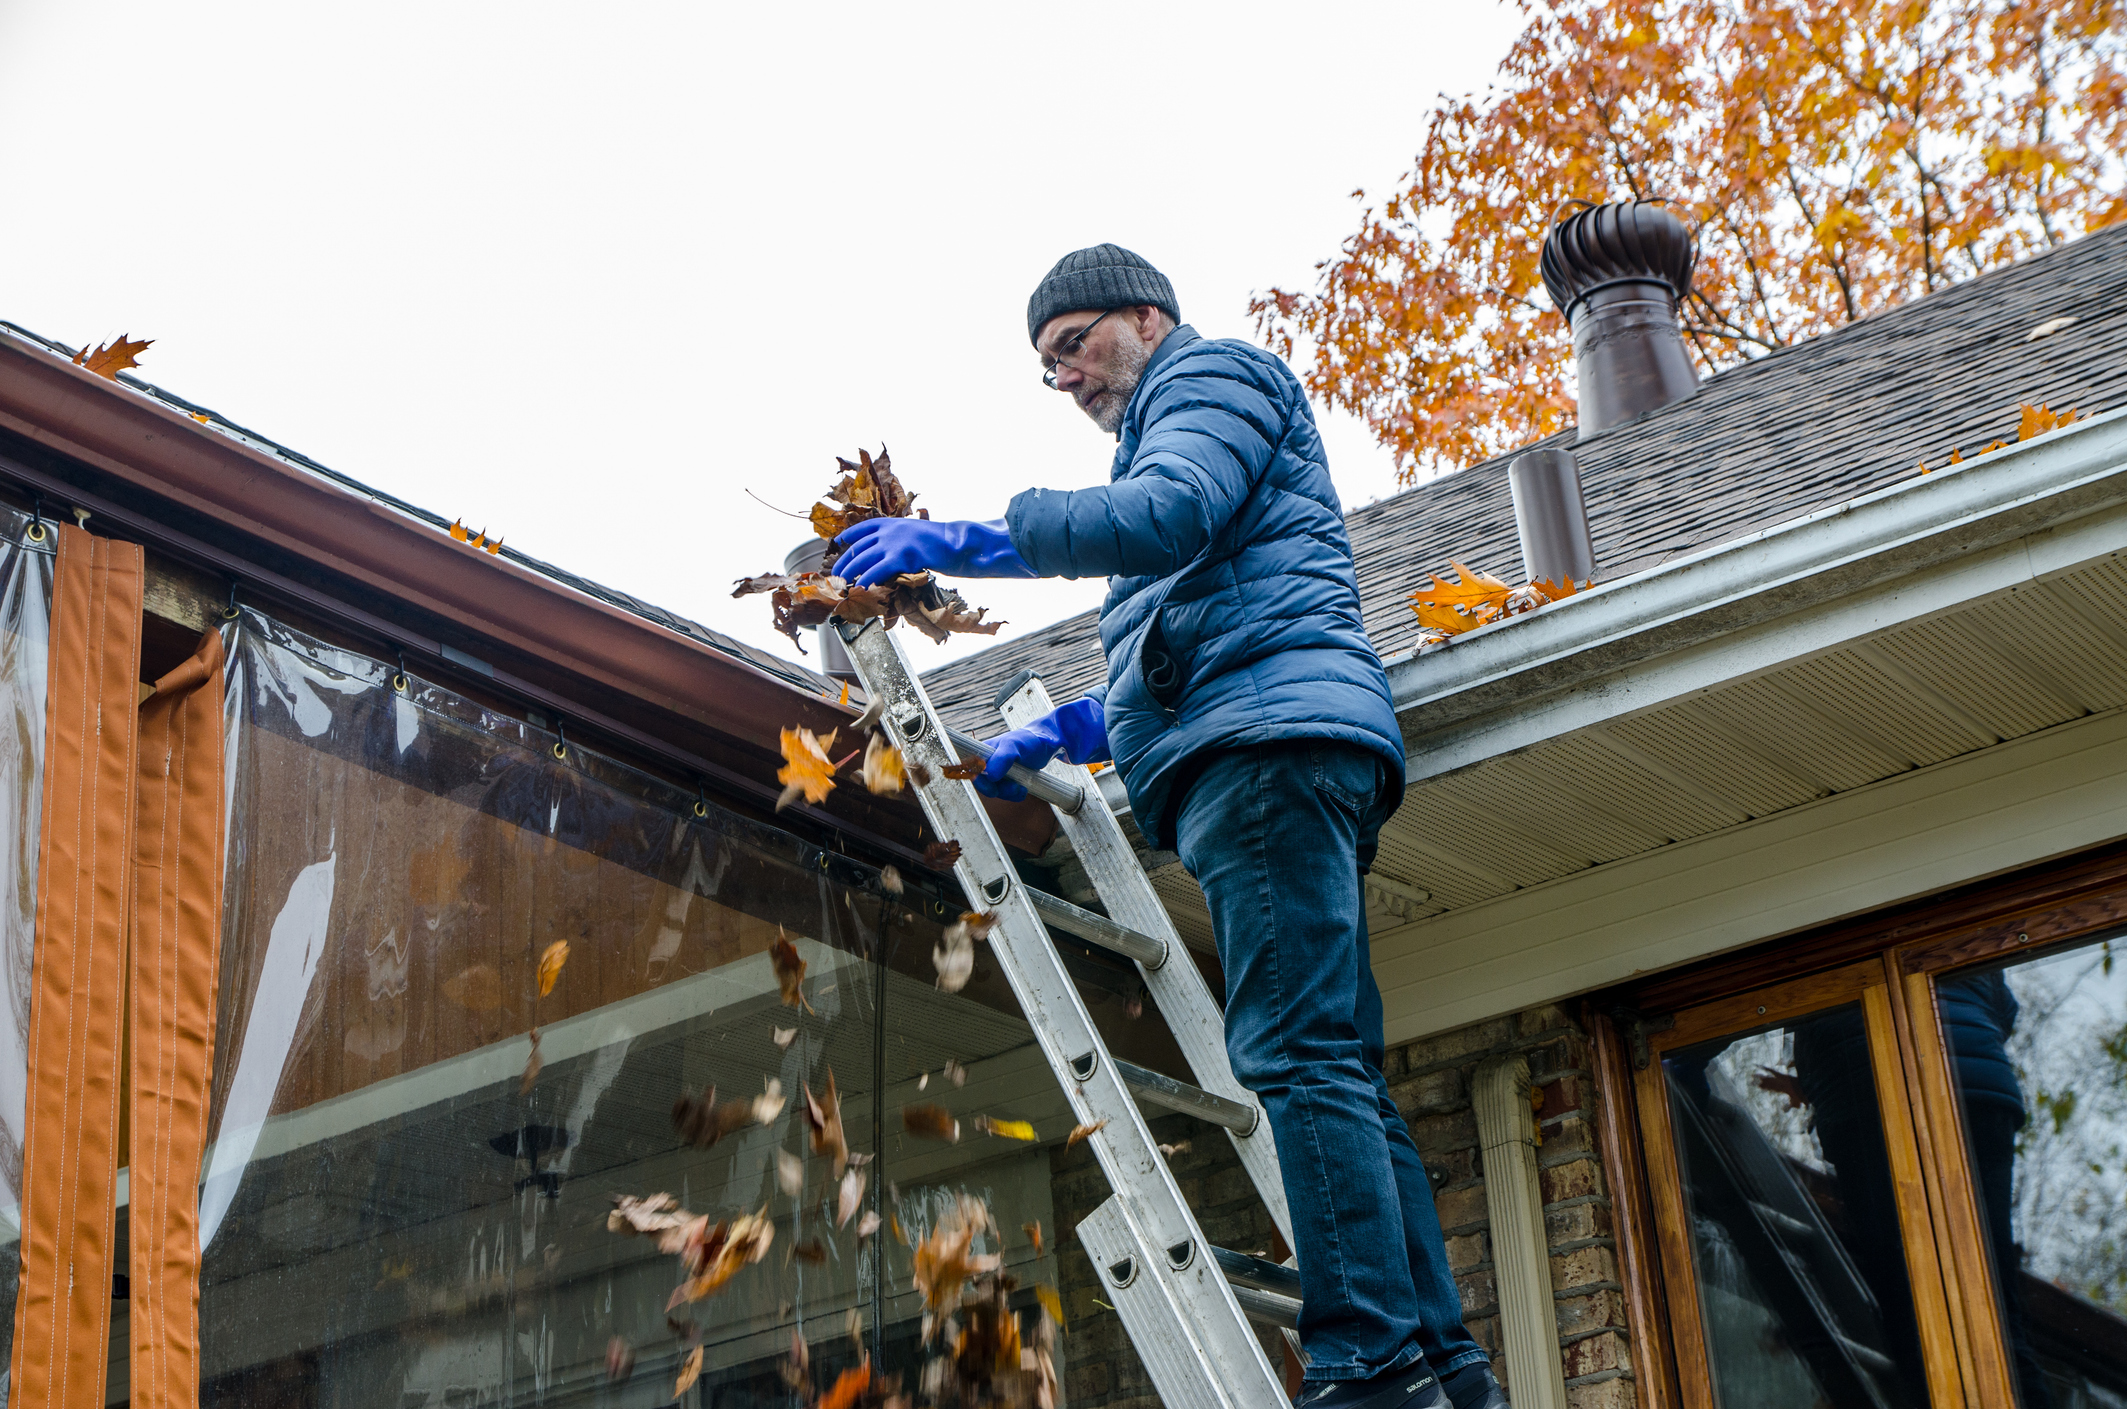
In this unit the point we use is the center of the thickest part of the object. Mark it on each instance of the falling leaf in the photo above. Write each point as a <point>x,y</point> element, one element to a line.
<point>795,1369</point>
<point>477,989</point>
<point>965,770</point>
<point>112,358</point>
<point>690,1370</point>
<point>2051,326</point>
<point>789,1173</point>
<point>1033,1232</point>
<point>823,1118</point>
<point>550,962</point>
<point>923,1081</point>
<point>807,769</point>
<point>941,854</point>
<point>769,1104</point>
<point>848,1388</point>
<point>789,971</point>
<point>867,1225</point>
<point>917,771</point>
<point>930,1122</point>
<point>1080,1132</point>
<point>954,1072</point>
<point>689,1332</point>
<point>532,1064</point>
<point>946,1259</point>
<point>1050,1301</point>
<point>713,1253</point>
<point>1134,1006</point>
<point>850,1197</point>
<point>1007,1129</point>
<point>784,1036</point>
<point>882,771</point>
<point>812,1252</point>
<point>890,880</point>
<point>620,1359</point>
<point>653,1213</point>
<point>1179,1147</point>
<point>701,1121</point>
<point>953,956</point>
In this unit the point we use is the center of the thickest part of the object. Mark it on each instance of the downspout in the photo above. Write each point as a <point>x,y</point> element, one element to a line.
<point>1521,1261</point>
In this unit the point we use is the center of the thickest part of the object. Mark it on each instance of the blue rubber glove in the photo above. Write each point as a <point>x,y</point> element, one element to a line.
<point>878,549</point>
<point>1078,730</point>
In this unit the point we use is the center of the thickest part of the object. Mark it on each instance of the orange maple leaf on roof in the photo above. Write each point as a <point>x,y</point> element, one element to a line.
<point>114,357</point>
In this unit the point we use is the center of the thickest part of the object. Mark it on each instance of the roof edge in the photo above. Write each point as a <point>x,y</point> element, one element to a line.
<point>1835,553</point>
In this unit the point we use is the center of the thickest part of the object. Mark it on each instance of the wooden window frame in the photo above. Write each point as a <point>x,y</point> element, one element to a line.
<point>1892,961</point>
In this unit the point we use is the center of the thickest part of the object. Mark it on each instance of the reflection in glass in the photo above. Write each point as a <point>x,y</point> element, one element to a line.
<point>1793,1221</point>
<point>25,624</point>
<point>2039,1053</point>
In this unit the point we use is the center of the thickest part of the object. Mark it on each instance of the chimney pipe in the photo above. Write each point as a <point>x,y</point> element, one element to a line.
<point>1618,272</point>
<point>1552,517</point>
<point>835,663</point>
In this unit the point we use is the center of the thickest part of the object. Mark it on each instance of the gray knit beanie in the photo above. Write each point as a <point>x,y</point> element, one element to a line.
<point>1103,277</point>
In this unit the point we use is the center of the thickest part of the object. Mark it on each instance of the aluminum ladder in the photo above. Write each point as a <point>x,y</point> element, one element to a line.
<point>1186,1304</point>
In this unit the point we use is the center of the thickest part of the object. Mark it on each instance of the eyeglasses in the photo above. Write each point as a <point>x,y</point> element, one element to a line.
<point>1073,347</point>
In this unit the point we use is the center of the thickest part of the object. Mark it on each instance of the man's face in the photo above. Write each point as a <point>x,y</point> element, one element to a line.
<point>1098,356</point>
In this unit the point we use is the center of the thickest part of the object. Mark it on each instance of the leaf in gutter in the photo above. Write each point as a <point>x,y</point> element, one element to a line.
<point>1556,591</point>
<point>112,358</point>
<point>2037,420</point>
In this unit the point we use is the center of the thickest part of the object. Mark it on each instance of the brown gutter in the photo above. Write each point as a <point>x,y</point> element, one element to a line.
<point>143,443</point>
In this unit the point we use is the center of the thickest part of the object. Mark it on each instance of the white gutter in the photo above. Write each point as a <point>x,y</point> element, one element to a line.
<point>1924,545</point>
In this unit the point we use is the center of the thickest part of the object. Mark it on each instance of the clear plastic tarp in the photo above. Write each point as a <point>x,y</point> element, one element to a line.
<point>402,1205</point>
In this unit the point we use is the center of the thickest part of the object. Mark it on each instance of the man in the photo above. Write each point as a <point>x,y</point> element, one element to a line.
<point>1249,716</point>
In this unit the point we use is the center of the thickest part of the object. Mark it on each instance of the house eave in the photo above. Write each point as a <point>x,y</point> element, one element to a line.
<point>1926,544</point>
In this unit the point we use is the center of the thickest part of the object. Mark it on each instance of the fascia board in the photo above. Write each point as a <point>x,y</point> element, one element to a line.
<point>1848,570</point>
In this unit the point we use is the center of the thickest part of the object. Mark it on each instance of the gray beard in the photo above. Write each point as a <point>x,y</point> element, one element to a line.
<point>1122,376</point>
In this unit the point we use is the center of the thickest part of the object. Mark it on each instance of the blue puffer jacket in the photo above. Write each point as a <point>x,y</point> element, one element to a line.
<point>1226,555</point>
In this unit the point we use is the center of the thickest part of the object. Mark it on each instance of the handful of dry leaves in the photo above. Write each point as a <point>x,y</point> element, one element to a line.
<point>867,490</point>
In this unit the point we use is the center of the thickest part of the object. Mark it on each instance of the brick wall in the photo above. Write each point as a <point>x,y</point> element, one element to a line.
<point>1430,1080</point>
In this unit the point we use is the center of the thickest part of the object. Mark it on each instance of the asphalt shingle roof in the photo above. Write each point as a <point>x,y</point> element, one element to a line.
<point>1804,427</point>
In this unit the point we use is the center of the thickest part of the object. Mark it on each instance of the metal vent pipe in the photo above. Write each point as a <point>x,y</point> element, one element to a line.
<point>834,660</point>
<point>1617,272</point>
<point>1552,517</point>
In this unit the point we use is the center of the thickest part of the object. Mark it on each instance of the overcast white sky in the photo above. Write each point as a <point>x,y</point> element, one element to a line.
<point>583,273</point>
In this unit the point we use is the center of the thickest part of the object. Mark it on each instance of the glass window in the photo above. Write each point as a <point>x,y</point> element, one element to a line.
<point>25,625</point>
<point>2038,1049</point>
<point>1793,1224</point>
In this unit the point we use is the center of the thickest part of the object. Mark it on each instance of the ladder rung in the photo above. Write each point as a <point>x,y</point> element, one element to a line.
<point>1041,785</point>
<point>1237,1116</point>
<point>1099,929</point>
<point>1267,1307</point>
<point>1265,1276</point>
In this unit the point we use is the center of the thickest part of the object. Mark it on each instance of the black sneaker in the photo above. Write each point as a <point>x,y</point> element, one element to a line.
<point>1415,1386</point>
<point>1472,1387</point>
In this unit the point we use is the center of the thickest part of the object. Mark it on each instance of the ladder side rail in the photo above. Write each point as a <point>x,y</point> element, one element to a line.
<point>1174,1261</point>
<point>1177,986</point>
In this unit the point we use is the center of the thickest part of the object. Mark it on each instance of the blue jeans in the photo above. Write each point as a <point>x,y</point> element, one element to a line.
<point>1276,835</point>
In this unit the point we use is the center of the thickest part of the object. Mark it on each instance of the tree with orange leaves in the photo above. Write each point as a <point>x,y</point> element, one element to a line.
<point>1833,157</point>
